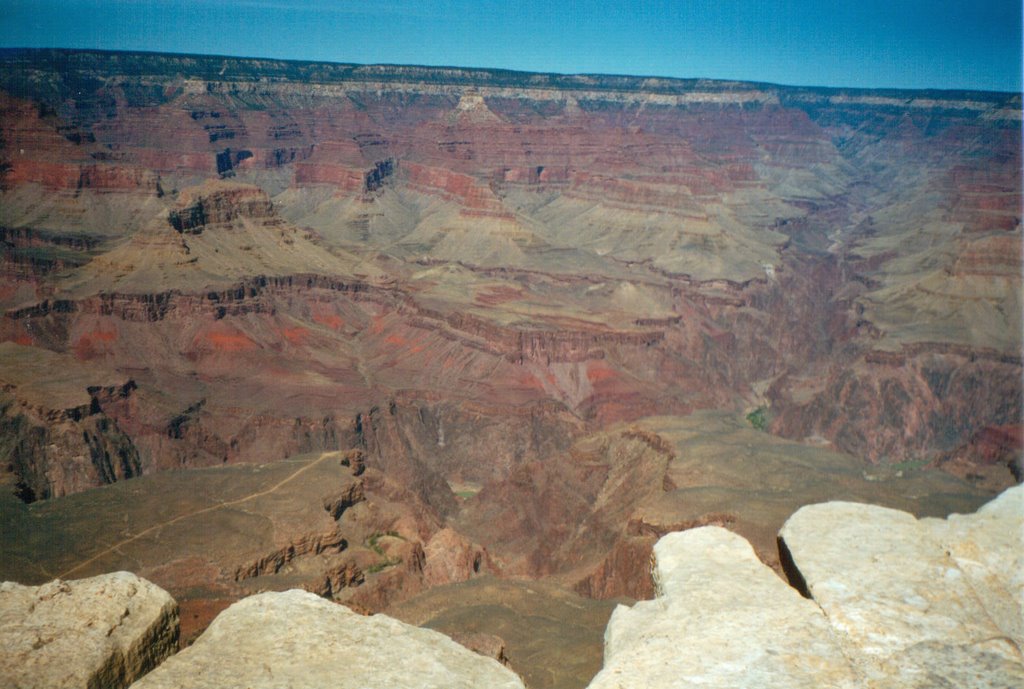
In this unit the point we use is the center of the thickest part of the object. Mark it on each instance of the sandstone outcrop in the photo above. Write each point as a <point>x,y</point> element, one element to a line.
<point>54,430</point>
<point>217,202</point>
<point>986,546</point>
<point>105,631</point>
<point>450,557</point>
<point>918,603</point>
<point>297,639</point>
<point>721,619</point>
<point>893,602</point>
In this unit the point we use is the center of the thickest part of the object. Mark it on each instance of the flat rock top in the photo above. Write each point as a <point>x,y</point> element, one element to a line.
<point>722,619</point>
<point>103,631</point>
<point>918,603</point>
<point>225,516</point>
<point>48,380</point>
<point>897,603</point>
<point>296,639</point>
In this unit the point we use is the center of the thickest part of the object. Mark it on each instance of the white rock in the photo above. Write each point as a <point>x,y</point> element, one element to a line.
<point>988,547</point>
<point>298,640</point>
<point>105,631</point>
<point>722,619</point>
<point>902,607</point>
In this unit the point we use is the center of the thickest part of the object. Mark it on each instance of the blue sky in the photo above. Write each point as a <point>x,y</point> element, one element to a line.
<point>867,43</point>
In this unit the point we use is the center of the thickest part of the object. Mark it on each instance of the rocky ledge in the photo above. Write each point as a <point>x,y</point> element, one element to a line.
<point>918,603</point>
<point>297,639</point>
<point>101,632</point>
<point>893,602</point>
<point>888,601</point>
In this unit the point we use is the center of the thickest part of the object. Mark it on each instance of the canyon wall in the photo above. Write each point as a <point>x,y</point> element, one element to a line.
<point>501,289</point>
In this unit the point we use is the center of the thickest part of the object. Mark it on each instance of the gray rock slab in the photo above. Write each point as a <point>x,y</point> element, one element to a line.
<point>721,619</point>
<point>298,640</point>
<point>900,603</point>
<point>988,547</point>
<point>104,631</point>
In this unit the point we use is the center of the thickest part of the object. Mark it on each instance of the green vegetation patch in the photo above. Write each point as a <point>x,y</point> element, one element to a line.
<point>758,418</point>
<point>373,543</point>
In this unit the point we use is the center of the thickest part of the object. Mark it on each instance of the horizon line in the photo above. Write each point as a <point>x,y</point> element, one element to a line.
<point>4,50</point>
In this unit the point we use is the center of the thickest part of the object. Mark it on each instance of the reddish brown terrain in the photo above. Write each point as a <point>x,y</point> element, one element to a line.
<point>375,331</point>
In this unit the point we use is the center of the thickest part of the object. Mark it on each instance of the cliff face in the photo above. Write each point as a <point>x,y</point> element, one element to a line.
<point>821,252</point>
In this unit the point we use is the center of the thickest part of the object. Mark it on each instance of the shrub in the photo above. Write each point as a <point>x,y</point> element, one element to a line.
<point>758,418</point>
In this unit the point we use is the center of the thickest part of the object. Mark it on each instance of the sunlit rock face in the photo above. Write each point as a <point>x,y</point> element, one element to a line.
<point>891,601</point>
<point>917,603</point>
<point>105,631</point>
<point>297,639</point>
<point>723,619</point>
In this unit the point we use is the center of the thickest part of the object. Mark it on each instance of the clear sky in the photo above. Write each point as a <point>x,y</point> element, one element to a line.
<point>972,44</point>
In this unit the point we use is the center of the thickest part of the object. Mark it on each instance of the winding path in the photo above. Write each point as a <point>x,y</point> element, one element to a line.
<point>211,508</point>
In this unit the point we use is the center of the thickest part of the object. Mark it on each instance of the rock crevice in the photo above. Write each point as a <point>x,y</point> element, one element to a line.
<point>894,603</point>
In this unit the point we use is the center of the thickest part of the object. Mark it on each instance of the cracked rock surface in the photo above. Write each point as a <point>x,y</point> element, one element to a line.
<point>104,631</point>
<point>721,619</point>
<point>297,639</point>
<point>895,602</point>
<point>918,603</point>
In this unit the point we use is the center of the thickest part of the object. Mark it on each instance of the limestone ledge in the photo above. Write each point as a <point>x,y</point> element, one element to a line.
<point>104,631</point>
<point>895,602</point>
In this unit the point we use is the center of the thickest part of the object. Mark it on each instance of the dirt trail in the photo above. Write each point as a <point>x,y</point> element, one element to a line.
<point>187,515</point>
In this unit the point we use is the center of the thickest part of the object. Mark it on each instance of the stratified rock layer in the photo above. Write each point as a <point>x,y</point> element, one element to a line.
<point>918,603</point>
<point>100,632</point>
<point>488,254</point>
<point>296,639</point>
<point>483,284</point>
<point>722,619</point>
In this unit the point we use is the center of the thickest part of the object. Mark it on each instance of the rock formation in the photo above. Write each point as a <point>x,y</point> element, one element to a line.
<point>105,631</point>
<point>297,639</point>
<point>918,603</point>
<point>893,602</point>
<point>721,619</point>
<point>603,247</point>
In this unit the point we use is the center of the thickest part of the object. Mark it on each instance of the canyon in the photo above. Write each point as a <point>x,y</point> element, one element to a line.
<point>462,345</point>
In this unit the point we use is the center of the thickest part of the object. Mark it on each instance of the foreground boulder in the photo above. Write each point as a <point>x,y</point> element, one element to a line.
<point>721,619</point>
<point>988,547</point>
<point>893,603</point>
<point>918,603</point>
<point>105,631</point>
<point>297,639</point>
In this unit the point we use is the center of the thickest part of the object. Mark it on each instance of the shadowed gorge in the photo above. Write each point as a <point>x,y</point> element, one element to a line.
<point>463,344</point>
